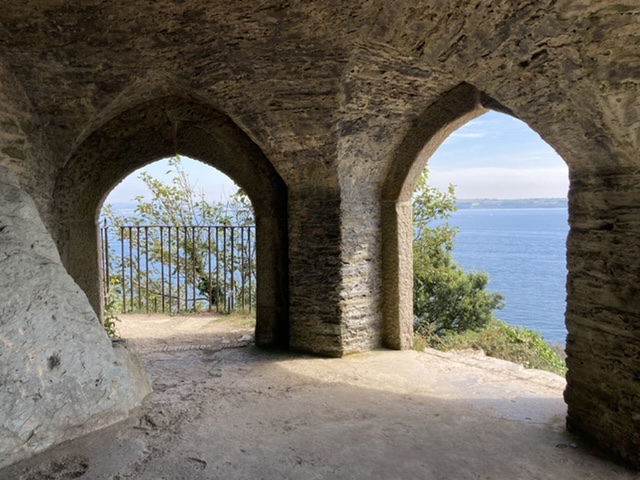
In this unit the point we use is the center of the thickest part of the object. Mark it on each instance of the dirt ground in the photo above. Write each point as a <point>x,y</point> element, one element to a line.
<point>222,409</point>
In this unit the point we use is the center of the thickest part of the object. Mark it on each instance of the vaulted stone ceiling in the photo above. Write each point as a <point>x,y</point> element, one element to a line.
<point>300,67</point>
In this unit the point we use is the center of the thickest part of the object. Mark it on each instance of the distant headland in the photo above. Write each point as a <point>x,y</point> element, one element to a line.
<point>471,203</point>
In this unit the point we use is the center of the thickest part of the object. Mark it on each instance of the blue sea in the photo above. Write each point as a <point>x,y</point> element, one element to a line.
<point>524,252</point>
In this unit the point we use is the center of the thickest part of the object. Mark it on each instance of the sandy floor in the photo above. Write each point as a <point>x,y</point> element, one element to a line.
<point>221,410</point>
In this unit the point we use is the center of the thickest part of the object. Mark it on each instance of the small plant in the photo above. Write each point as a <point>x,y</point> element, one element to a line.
<point>420,344</point>
<point>112,307</point>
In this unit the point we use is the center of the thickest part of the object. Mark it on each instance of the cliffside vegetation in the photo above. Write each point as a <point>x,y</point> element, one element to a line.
<point>452,308</point>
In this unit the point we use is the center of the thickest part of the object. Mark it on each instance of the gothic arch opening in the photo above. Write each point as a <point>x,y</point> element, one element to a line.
<point>158,129</point>
<point>511,193</point>
<point>451,111</point>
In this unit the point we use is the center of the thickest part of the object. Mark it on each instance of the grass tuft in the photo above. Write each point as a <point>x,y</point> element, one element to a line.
<point>499,340</point>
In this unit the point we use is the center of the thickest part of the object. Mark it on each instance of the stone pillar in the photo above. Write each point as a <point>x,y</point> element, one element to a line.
<point>361,267</point>
<point>397,271</point>
<point>335,267</point>
<point>272,311</point>
<point>315,270</point>
<point>603,310</point>
<point>79,248</point>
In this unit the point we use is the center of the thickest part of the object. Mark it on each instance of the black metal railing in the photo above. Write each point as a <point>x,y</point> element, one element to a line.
<point>174,269</point>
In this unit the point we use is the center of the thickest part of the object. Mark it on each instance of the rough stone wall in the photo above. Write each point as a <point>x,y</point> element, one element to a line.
<point>60,376</point>
<point>23,147</point>
<point>603,300</point>
<point>360,287</point>
<point>314,256</point>
<point>603,391</point>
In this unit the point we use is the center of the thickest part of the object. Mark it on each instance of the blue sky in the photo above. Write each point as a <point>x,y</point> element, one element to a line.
<point>493,156</point>
<point>497,156</point>
<point>215,185</point>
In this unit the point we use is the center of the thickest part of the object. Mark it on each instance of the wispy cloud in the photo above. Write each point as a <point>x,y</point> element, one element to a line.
<point>460,134</point>
<point>492,182</point>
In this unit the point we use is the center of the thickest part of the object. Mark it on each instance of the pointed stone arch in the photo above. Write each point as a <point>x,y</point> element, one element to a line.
<point>452,110</point>
<point>157,129</point>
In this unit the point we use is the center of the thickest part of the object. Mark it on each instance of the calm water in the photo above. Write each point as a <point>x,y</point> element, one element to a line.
<point>524,252</point>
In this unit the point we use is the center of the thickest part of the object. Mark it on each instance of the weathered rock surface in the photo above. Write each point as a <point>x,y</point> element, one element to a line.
<point>60,377</point>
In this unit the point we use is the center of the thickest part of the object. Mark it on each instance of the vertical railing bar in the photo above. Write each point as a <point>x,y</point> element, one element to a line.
<point>185,247</point>
<point>124,295</point>
<point>224,267</point>
<point>254,236</point>
<point>161,270</point>
<point>193,252</point>
<point>245,271</point>
<point>103,285</point>
<point>170,273</point>
<point>186,269</point>
<point>101,259</point>
<point>105,245</point>
<point>186,272</point>
<point>138,268</point>
<point>217,269</point>
<point>250,273</point>
<point>238,269</point>
<point>209,291</point>
<point>233,266</point>
<point>146,262</point>
<point>178,269</point>
<point>131,267</point>
<point>249,268</point>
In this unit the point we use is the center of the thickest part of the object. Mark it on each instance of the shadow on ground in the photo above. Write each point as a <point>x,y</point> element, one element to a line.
<point>241,413</point>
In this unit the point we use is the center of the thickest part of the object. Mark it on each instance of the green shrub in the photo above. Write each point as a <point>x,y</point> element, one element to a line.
<point>450,300</point>
<point>445,297</point>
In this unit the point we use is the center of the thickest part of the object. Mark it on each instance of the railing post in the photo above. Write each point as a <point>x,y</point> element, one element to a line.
<point>193,262</point>
<point>161,269</point>
<point>209,286</point>
<point>169,261</point>
<point>146,264</point>
<point>124,295</point>
<point>104,244</point>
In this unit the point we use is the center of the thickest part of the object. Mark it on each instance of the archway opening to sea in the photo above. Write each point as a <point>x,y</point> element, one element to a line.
<point>147,132</point>
<point>511,219</point>
<point>178,256</point>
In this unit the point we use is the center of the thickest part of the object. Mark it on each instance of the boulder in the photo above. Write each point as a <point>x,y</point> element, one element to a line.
<point>60,376</point>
